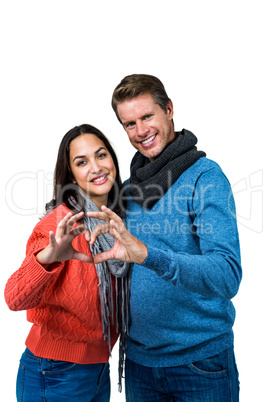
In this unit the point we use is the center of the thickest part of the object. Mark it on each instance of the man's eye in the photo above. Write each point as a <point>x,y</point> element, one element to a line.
<point>147,117</point>
<point>131,124</point>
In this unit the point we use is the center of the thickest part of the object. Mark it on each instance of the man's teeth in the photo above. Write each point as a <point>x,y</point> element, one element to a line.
<point>148,140</point>
<point>99,178</point>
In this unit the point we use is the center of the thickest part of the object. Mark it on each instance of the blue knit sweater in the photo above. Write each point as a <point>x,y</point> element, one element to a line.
<point>180,305</point>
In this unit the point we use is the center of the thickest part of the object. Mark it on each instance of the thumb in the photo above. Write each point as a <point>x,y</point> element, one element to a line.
<point>101,257</point>
<point>82,257</point>
<point>52,239</point>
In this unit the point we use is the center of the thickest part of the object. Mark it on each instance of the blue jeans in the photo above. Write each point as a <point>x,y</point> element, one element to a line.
<point>211,380</point>
<point>47,380</point>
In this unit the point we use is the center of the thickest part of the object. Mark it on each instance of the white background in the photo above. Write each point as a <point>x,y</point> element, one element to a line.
<point>60,61</point>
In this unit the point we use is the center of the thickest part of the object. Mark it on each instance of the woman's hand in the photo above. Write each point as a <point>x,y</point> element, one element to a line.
<point>60,244</point>
<point>126,247</point>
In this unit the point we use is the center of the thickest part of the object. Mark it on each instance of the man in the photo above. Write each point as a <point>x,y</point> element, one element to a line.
<point>186,256</point>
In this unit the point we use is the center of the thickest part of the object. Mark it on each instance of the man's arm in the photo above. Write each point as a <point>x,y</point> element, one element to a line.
<point>217,271</point>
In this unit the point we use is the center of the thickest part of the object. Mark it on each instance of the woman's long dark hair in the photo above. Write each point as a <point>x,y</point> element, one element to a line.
<point>64,190</point>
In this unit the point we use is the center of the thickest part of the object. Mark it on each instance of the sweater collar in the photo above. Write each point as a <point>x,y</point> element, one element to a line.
<point>149,181</point>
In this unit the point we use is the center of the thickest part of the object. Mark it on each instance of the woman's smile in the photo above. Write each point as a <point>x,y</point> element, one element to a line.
<point>92,167</point>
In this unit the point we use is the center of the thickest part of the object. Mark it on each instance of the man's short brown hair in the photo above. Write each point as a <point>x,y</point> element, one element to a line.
<point>139,84</point>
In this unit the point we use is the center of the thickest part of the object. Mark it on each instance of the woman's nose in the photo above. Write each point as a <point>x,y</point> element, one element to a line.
<point>94,166</point>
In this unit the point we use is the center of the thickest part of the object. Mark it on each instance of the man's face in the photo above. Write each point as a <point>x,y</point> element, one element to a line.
<point>149,128</point>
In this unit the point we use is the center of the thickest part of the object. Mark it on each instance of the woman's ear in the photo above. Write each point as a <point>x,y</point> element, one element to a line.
<point>71,177</point>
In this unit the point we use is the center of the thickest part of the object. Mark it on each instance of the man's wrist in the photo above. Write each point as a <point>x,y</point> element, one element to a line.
<point>142,255</point>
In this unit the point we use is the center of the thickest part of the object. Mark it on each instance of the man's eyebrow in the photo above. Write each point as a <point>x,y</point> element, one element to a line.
<point>84,156</point>
<point>147,114</point>
<point>150,112</point>
<point>128,122</point>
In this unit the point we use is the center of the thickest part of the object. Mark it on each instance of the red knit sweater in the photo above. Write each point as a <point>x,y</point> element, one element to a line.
<point>63,304</point>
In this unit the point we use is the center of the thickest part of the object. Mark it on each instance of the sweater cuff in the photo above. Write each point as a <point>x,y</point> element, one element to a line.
<point>156,260</point>
<point>52,267</point>
<point>39,268</point>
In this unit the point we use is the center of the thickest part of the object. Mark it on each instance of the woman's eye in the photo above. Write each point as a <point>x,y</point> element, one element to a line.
<point>80,163</point>
<point>103,155</point>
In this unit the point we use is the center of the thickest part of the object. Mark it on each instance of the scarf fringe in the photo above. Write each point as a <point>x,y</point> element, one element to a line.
<point>110,314</point>
<point>123,296</point>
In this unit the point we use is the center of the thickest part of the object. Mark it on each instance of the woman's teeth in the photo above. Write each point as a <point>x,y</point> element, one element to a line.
<point>148,140</point>
<point>99,178</point>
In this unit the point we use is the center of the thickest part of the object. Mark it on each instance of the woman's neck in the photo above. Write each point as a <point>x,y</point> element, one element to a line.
<point>99,201</point>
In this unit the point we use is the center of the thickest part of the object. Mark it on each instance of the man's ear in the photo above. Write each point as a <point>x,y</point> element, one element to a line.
<point>170,112</point>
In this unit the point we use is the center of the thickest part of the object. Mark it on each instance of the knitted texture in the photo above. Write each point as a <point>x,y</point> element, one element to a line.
<point>105,270</point>
<point>180,297</point>
<point>149,181</point>
<point>63,303</point>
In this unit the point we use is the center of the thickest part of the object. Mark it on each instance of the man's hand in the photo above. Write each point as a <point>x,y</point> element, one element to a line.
<point>126,247</point>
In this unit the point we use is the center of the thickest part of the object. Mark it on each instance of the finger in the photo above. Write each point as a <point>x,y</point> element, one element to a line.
<point>98,215</point>
<point>115,233</point>
<point>82,257</point>
<point>111,214</point>
<point>87,235</point>
<point>100,229</point>
<point>62,225</point>
<point>101,257</point>
<point>75,218</point>
<point>120,232</point>
<point>79,230</point>
<point>118,226</point>
<point>52,239</point>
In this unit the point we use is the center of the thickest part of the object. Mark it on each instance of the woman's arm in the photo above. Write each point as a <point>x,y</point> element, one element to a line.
<point>46,254</point>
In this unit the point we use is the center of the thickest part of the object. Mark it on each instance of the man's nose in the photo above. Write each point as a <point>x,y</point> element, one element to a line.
<point>141,128</point>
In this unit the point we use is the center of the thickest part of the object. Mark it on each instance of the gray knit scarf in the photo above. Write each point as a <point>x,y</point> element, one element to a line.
<point>149,181</point>
<point>122,273</point>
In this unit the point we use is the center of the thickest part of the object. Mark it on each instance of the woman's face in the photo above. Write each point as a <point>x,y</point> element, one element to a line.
<point>92,167</point>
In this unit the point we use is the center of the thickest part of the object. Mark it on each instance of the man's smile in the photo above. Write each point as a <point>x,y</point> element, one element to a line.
<point>149,140</point>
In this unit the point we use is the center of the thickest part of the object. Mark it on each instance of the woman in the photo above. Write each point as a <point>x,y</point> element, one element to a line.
<point>69,300</point>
